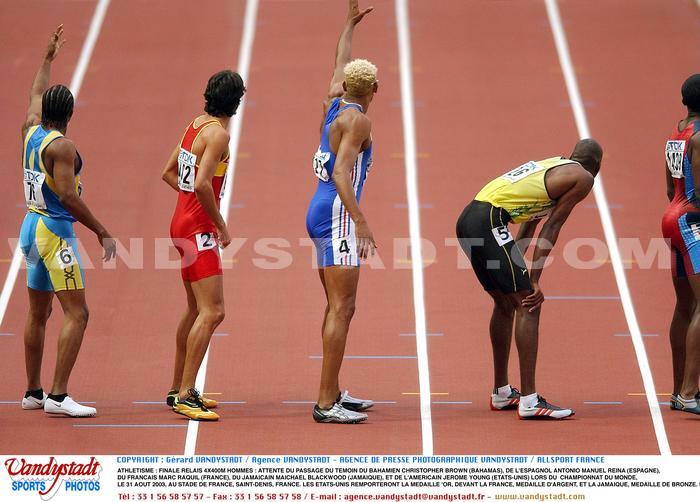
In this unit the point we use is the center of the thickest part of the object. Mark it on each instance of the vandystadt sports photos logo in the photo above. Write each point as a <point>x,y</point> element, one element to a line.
<point>47,478</point>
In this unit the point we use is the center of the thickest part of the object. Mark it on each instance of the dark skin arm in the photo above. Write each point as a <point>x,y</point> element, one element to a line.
<point>41,80</point>
<point>354,132</point>
<point>343,51</point>
<point>525,234</point>
<point>60,155</point>
<point>215,147</point>
<point>582,184</point>
<point>694,152</point>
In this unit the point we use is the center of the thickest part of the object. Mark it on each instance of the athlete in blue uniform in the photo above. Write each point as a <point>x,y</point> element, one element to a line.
<point>52,169</point>
<point>334,219</point>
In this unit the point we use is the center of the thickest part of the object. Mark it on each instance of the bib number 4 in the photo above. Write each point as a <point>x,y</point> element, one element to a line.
<point>33,183</point>
<point>674,157</point>
<point>186,162</point>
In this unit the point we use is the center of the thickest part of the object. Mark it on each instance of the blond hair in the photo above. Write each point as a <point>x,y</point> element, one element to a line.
<point>360,77</point>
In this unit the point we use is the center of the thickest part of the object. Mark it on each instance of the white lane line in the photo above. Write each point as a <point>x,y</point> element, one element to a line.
<point>409,139</point>
<point>609,229</point>
<point>244,56</point>
<point>75,85</point>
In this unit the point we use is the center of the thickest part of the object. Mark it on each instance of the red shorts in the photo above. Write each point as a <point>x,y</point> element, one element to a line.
<point>200,256</point>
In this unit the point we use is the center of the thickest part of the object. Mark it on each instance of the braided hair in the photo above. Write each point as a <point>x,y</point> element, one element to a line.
<point>223,94</point>
<point>57,106</point>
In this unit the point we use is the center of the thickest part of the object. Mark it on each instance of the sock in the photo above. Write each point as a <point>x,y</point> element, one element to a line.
<point>504,391</point>
<point>528,401</point>
<point>36,394</point>
<point>687,403</point>
<point>58,397</point>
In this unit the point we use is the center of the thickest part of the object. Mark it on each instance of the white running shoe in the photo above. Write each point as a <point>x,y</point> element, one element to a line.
<point>338,415</point>
<point>543,410</point>
<point>509,402</point>
<point>68,407</point>
<point>352,403</point>
<point>32,403</point>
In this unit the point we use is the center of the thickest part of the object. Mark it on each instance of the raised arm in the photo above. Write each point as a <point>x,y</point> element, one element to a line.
<point>62,152</point>
<point>550,233</point>
<point>214,150</point>
<point>343,50</point>
<point>41,80</point>
<point>356,132</point>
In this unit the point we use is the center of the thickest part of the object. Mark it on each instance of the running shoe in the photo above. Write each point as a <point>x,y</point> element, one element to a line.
<point>32,403</point>
<point>193,407</point>
<point>338,415</point>
<point>68,407</point>
<point>172,395</point>
<point>509,402</point>
<point>543,410</point>
<point>674,404</point>
<point>352,403</point>
<point>693,407</point>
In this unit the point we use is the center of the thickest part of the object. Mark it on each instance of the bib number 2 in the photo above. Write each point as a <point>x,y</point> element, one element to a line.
<point>205,241</point>
<point>33,182</point>
<point>186,162</point>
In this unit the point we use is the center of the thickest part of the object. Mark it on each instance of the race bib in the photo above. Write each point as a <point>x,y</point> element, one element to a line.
<point>66,258</point>
<point>205,241</point>
<point>223,187</point>
<point>186,162</point>
<point>319,164</point>
<point>33,182</point>
<point>523,171</point>
<point>674,157</point>
<point>502,235</point>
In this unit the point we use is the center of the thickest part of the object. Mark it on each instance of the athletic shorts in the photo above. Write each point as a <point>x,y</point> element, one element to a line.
<point>482,230</point>
<point>199,255</point>
<point>51,252</point>
<point>330,227</point>
<point>682,230</point>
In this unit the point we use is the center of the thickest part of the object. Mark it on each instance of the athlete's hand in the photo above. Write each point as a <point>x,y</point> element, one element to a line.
<point>534,300</point>
<point>109,245</point>
<point>355,15</point>
<point>365,240</point>
<point>223,237</point>
<point>55,43</point>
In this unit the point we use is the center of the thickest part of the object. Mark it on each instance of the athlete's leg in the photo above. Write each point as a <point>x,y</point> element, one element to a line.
<point>209,295</point>
<point>183,330</point>
<point>34,330</point>
<point>526,340</point>
<point>501,331</point>
<point>341,283</point>
<point>692,347</point>
<point>682,315</point>
<point>325,290</point>
<point>75,319</point>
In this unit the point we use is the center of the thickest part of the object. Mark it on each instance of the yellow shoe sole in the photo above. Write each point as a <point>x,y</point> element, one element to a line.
<point>209,403</point>
<point>196,413</point>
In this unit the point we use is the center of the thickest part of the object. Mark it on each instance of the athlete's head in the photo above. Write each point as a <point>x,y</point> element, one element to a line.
<point>589,154</point>
<point>691,93</point>
<point>57,107</point>
<point>360,79</point>
<point>223,94</point>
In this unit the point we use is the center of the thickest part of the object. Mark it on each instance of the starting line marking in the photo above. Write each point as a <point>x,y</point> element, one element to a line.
<point>131,426</point>
<point>602,402</point>
<point>314,402</point>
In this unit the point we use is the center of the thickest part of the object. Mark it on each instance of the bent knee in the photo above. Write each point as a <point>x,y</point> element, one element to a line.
<point>79,315</point>
<point>214,315</point>
<point>343,310</point>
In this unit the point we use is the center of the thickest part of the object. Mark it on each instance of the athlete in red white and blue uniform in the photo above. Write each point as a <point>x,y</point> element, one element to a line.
<point>681,227</point>
<point>328,221</point>
<point>334,219</point>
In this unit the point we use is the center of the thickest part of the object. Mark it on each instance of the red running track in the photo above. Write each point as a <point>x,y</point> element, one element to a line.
<point>481,107</point>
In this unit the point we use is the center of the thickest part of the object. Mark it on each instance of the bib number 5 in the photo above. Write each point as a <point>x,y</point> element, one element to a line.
<point>502,235</point>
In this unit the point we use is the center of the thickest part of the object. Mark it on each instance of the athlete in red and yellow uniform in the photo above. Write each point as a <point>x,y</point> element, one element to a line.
<point>197,170</point>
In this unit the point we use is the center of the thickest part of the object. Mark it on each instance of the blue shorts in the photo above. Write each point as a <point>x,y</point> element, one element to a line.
<point>51,252</point>
<point>333,232</point>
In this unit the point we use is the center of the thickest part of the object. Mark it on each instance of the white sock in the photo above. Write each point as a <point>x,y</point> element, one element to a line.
<point>687,403</point>
<point>504,391</point>
<point>528,401</point>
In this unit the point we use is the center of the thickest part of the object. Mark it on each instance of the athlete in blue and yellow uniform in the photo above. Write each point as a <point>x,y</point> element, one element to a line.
<point>536,190</point>
<point>52,167</point>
